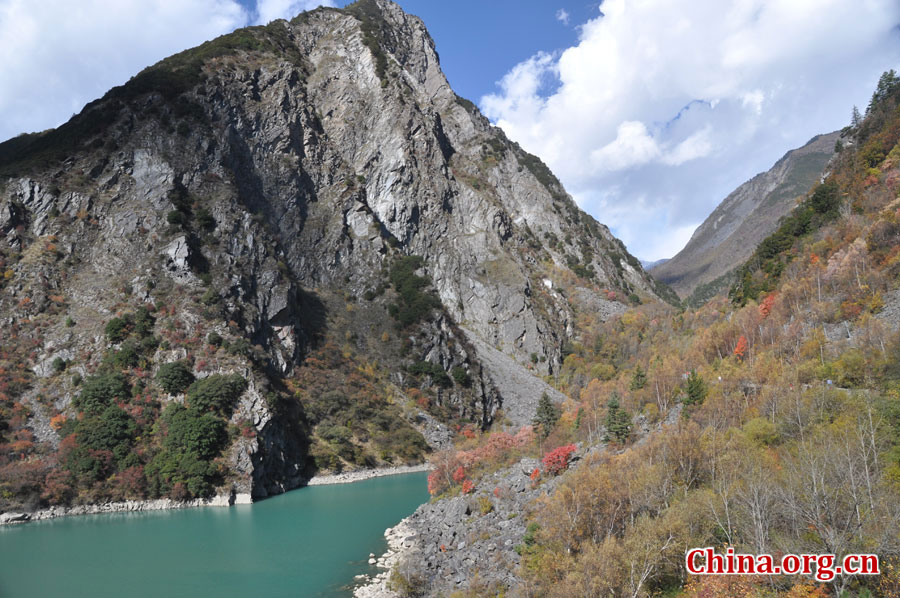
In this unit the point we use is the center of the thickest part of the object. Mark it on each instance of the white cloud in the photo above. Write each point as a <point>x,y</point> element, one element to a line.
<point>562,16</point>
<point>269,10</point>
<point>696,146</point>
<point>58,55</point>
<point>632,146</point>
<point>675,103</point>
<point>753,99</point>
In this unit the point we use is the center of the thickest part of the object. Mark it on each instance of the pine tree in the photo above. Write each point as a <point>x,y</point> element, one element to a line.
<point>855,118</point>
<point>618,422</point>
<point>696,389</point>
<point>887,85</point>
<point>546,416</point>
<point>638,379</point>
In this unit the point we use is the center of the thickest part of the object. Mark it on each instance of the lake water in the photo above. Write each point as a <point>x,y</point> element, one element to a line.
<point>308,542</point>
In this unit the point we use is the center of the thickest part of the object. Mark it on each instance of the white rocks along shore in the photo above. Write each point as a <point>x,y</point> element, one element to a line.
<point>401,541</point>
<point>365,474</point>
<point>222,500</point>
<point>127,506</point>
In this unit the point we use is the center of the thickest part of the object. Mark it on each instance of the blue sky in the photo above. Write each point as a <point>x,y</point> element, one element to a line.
<point>650,112</point>
<point>479,42</point>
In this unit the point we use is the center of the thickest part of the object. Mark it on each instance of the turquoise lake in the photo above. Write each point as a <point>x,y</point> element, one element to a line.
<point>308,542</point>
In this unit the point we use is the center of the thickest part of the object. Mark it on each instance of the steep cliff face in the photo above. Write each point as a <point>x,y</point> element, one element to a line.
<point>748,215</point>
<point>270,188</point>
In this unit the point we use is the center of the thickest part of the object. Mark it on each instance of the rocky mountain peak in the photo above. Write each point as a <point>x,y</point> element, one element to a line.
<point>308,192</point>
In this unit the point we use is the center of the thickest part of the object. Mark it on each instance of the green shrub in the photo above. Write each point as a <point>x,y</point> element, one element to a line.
<point>59,365</point>
<point>461,376</point>
<point>117,329</point>
<point>433,370</point>
<point>190,431</point>
<point>210,297</point>
<point>143,322</point>
<point>205,220</point>
<point>113,430</point>
<point>100,390</point>
<point>184,468</point>
<point>127,356</point>
<point>215,339</point>
<point>177,218</point>
<point>217,393</point>
<point>416,301</point>
<point>174,377</point>
<point>240,346</point>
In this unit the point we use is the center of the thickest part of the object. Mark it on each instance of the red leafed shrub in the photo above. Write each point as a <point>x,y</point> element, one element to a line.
<point>535,475</point>
<point>468,487</point>
<point>435,483</point>
<point>58,487</point>
<point>557,460</point>
<point>451,467</point>
<point>459,475</point>
<point>130,483</point>
<point>765,308</point>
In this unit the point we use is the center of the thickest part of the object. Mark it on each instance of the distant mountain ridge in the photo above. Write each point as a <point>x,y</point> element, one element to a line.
<point>650,264</point>
<point>751,212</point>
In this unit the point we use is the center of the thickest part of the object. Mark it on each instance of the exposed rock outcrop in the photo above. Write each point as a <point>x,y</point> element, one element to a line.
<point>261,184</point>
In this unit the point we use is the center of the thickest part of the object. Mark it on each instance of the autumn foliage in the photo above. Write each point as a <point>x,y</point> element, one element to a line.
<point>492,450</point>
<point>557,460</point>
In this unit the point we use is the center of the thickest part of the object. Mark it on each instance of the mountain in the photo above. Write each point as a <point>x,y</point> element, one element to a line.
<point>703,426</point>
<point>292,248</point>
<point>750,213</point>
<point>648,265</point>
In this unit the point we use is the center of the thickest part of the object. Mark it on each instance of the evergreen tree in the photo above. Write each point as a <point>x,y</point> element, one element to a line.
<point>618,421</point>
<point>546,416</point>
<point>696,389</point>
<point>887,85</point>
<point>855,118</point>
<point>638,379</point>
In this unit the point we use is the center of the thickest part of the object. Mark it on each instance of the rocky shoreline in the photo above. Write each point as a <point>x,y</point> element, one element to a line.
<point>221,500</point>
<point>128,506</point>
<point>401,541</point>
<point>364,474</point>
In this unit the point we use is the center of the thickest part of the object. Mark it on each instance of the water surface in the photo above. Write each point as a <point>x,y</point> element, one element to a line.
<point>308,542</point>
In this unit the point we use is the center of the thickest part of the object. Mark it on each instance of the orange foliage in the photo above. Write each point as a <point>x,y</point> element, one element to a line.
<point>723,586</point>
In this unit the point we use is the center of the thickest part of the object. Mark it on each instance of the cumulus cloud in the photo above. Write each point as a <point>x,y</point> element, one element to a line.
<point>632,146</point>
<point>269,10</point>
<point>562,16</point>
<point>59,55</point>
<point>670,105</point>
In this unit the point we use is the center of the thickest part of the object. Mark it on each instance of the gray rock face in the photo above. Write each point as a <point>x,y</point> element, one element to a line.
<point>727,238</point>
<point>451,542</point>
<point>318,159</point>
